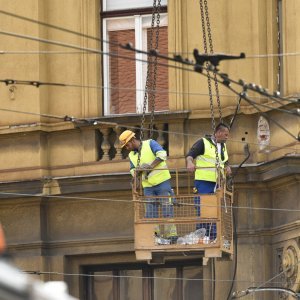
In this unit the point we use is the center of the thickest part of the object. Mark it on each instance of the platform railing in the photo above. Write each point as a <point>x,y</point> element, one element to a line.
<point>183,220</point>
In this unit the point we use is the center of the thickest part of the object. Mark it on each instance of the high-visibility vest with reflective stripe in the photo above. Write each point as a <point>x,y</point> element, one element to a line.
<point>156,176</point>
<point>206,163</point>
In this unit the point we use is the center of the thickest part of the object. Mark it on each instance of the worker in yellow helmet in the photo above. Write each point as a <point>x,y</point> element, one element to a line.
<point>155,179</point>
<point>204,152</point>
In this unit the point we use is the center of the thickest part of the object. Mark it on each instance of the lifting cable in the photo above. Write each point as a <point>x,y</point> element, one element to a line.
<point>150,86</point>
<point>206,32</point>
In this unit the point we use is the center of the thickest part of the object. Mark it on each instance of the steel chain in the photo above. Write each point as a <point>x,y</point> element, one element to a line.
<point>213,123</point>
<point>212,51</point>
<point>154,9</point>
<point>153,88</point>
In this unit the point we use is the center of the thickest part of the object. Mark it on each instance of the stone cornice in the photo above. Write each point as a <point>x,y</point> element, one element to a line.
<point>281,168</point>
<point>278,233</point>
<point>273,174</point>
<point>71,247</point>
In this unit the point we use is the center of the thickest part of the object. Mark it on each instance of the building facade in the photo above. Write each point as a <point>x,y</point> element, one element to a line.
<point>66,204</point>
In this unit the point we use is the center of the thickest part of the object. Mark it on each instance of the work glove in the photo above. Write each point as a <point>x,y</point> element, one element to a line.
<point>145,167</point>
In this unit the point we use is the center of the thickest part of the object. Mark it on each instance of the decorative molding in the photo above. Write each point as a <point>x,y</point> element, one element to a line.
<point>290,264</point>
<point>71,247</point>
<point>277,233</point>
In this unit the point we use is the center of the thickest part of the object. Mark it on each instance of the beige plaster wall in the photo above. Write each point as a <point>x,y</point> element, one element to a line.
<point>69,66</point>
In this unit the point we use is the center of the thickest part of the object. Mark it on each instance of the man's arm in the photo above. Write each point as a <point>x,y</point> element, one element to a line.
<point>197,149</point>
<point>190,164</point>
<point>160,154</point>
<point>132,168</point>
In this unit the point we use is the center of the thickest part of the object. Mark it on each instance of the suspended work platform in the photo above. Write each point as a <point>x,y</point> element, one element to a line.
<point>183,222</point>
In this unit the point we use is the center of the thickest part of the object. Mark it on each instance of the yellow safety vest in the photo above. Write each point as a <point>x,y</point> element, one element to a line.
<point>155,177</point>
<point>206,163</point>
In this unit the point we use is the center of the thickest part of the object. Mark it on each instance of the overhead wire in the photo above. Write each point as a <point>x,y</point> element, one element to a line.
<point>262,287</point>
<point>151,53</point>
<point>74,46</point>
<point>254,104</point>
<point>112,200</point>
<point>140,51</point>
<point>225,78</point>
<point>33,272</point>
<point>70,31</point>
<point>96,39</point>
<point>97,121</point>
<point>249,101</point>
<point>226,82</point>
<point>118,88</point>
<point>249,56</point>
<point>7,13</point>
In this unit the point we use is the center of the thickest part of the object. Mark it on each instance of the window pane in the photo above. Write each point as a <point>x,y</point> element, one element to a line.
<point>163,288</point>
<point>192,289</point>
<point>122,74</point>
<point>126,78</point>
<point>121,4</point>
<point>103,286</point>
<point>131,288</point>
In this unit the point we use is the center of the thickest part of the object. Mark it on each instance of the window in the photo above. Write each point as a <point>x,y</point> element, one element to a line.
<point>124,79</point>
<point>110,5</point>
<point>145,282</point>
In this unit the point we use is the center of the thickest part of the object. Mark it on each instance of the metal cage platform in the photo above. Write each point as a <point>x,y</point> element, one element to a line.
<point>181,222</point>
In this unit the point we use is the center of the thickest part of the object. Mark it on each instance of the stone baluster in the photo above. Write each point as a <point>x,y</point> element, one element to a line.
<point>160,138</point>
<point>105,143</point>
<point>117,144</point>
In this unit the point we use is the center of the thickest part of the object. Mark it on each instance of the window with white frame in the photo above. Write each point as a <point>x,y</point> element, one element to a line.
<point>124,71</point>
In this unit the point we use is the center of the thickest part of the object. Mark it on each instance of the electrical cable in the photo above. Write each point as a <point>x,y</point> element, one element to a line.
<point>251,290</point>
<point>33,272</point>
<point>117,88</point>
<point>149,53</point>
<point>225,81</point>
<point>234,225</point>
<point>54,27</point>
<point>248,100</point>
<point>199,68</point>
<point>41,83</point>
<point>96,121</point>
<point>225,77</point>
<point>254,104</point>
<point>185,62</point>
<point>80,34</point>
<point>235,237</point>
<point>128,47</point>
<point>112,200</point>
<point>251,56</point>
<point>262,287</point>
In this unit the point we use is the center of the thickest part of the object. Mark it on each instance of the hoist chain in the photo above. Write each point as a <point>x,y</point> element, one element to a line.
<point>208,78</point>
<point>208,73</point>
<point>156,9</point>
<point>212,51</point>
<point>153,87</point>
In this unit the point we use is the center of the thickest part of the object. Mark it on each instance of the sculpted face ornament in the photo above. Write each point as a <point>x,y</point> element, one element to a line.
<point>263,133</point>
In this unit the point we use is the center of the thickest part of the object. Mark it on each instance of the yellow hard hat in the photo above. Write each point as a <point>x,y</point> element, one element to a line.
<point>125,137</point>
